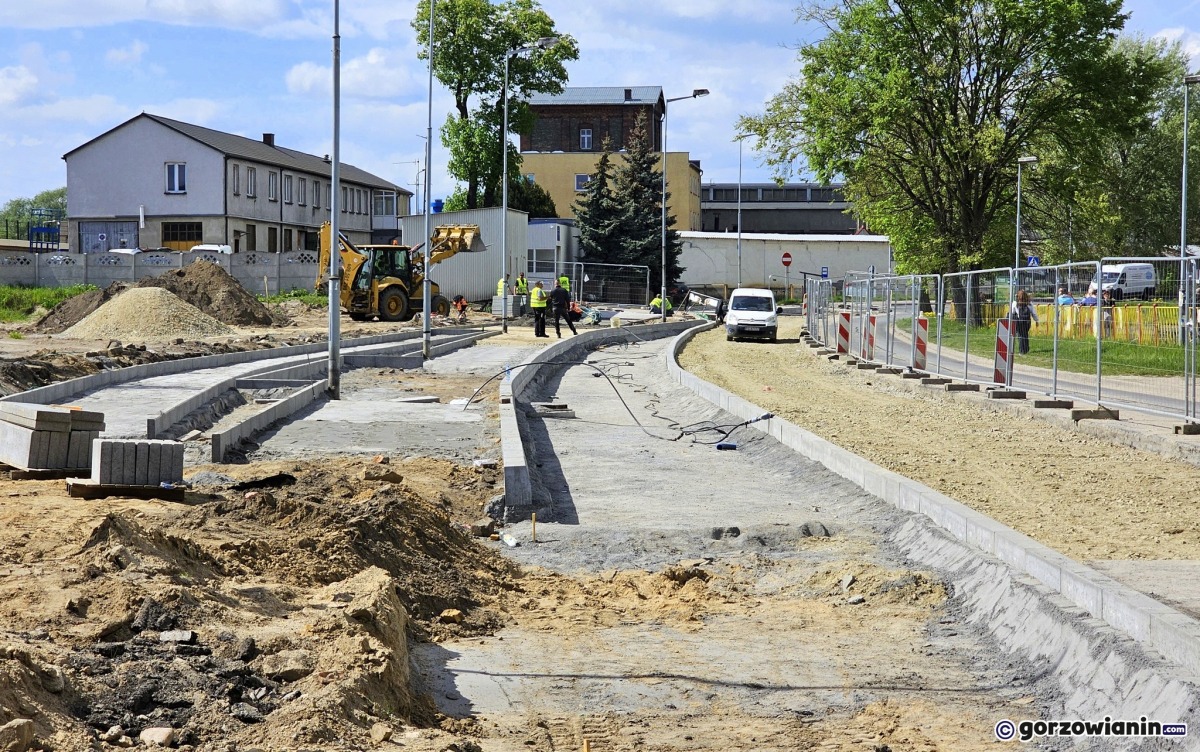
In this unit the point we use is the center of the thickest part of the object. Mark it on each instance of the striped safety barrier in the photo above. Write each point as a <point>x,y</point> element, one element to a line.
<point>843,333</point>
<point>920,343</point>
<point>1004,355</point>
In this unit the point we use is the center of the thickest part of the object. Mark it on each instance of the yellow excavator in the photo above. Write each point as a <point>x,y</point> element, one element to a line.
<point>385,280</point>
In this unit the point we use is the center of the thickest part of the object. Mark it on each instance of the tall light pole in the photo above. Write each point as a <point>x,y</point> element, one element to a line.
<point>662,301</point>
<point>335,256</point>
<point>739,212</point>
<point>426,300</point>
<point>1187,82</point>
<point>541,44</point>
<point>1017,254</point>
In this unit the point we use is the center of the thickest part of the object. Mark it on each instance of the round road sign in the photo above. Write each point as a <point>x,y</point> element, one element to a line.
<point>787,259</point>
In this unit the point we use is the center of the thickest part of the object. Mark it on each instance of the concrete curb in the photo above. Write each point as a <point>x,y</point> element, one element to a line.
<point>1166,630</point>
<point>530,374</point>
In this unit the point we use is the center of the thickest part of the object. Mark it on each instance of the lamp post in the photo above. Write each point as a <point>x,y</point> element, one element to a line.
<point>1017,255</point>
<point>662,301</point>
<point>541,44</point>
<point>426,298</point>
<point>1187,83</point>
<point>335,255</point>
<point>739,212</point>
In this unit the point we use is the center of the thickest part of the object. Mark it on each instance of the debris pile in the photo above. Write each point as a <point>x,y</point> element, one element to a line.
<point>146,312</point>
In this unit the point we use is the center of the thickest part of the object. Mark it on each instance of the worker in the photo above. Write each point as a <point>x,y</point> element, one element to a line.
<point>502,285</point>
<point>522,284</point>
<point>561,300</point>
<point>460,306</point>
<point>657,304</point>
<point>565,281</point>
<point>537,301</point>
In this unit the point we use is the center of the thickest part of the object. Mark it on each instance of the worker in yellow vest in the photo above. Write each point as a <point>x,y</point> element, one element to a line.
<point>522,284</point>
<point>565,282</point>
<point>502,286</point>
<point>538,300</point>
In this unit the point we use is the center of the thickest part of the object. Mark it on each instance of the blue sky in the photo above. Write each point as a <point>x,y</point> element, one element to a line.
<point>72,69</point>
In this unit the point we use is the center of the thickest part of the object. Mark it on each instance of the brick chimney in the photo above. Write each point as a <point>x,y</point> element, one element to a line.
<point>269,139</point>
<point>628,94</point>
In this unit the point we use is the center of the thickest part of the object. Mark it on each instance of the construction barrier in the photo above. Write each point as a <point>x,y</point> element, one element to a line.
<point>1004,355</point>
<point>843,333</point>
<point>920,342</point>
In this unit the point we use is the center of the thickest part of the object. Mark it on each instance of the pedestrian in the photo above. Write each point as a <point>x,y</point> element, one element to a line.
<point>1064,297</point>
<point>537,301</point>
<point>1024,317</point>
<point>561,300</point>
<point>1107,306</point>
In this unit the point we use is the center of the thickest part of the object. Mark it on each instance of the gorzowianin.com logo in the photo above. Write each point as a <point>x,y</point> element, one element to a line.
<point>1024,731</point>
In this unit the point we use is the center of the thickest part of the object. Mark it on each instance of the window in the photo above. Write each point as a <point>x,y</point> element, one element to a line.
<point>362,203</point>
<point>585,139</point>
<point>272,240</point>
<point>182,232</point>
<point>272,186</point>
<point>581,182</point>
<point>251,186</point>
<point>385,204</point>
<point>237,180</point>
<point>287,189</point>
<point>287,239</point>
<point>302,199</point>
<point>176,177</point>
<point>540,261</point>
<point>316,195</point>
<point>345,196</point>
<point>251,230</point>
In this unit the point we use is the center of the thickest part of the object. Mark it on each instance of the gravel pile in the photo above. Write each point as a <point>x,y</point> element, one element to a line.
<point>146,312</point>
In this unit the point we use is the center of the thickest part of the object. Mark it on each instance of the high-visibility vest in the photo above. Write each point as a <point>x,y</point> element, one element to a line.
<point>500,286</point>
<point>522,286</point>
<point>539,298</point>
<point>565,282</point>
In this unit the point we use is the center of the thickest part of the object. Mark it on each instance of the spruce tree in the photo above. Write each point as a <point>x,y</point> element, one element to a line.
<point>596,214</point>
<point>638,191</point>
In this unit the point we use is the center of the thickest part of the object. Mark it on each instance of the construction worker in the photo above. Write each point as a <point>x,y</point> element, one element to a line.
<point>537,301</point>
<point>502,285</point>
<point>565,281</point>
<point>657,304</point>
<point>522,284</point>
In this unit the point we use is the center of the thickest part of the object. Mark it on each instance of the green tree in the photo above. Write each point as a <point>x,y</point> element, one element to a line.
<point>20,209</point>
<point>471,40</point>
<point>637,186</point>
<point>523,194</point>
<point>597,211</point>
<point>923,108</point>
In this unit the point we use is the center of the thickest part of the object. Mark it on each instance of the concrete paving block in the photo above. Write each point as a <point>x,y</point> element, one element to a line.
<point>1045,565</point>
<point>175,469</point>
<point>128,463</point>
<point>35,416</point>
<point>1011,394</point>
<point>982,531</point>
<point>101,466</point>
<point>1129,611</point>
<point>141,463</point>
<point>59,442</point>
<point>1010,550</point>
<point>154,452</point>
<point>1100,413</point>
<point>1177,636</point>
<point>1085,587</point>
<point>908,496</point>
<point>116,462</point>
<point>962,387</point>
<point>40,450</point>
<point>16,445</point>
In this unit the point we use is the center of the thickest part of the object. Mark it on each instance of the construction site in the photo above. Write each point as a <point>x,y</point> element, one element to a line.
<point>640,537</point>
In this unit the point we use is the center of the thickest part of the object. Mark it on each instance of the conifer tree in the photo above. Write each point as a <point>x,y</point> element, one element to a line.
<point>638,192</point>
<point>596,214</point>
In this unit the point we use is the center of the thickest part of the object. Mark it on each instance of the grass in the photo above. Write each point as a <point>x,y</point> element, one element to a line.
<point>1075,355</point>
<point>17,303</point>
<point>308,297</point>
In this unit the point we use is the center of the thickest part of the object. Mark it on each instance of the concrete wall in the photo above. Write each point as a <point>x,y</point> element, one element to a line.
<point>711,258</point>
<point>282,271</point>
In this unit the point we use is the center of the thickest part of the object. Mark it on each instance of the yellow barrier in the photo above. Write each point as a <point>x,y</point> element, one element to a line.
<point>1147,324</point>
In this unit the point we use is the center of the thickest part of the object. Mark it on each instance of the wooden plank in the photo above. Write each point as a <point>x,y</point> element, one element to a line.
<point>86,489</point>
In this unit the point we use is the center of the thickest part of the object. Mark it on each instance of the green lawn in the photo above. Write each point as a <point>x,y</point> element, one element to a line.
<point>309,297</point>
<point>17,304</point>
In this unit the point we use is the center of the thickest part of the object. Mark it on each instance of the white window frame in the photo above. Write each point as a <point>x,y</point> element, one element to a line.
<point>302,189</point>
<point>316,194</point>
<point>237,180</point>
<point>272,186</point>
<point>581,185</point>
<point>176,177</point>
<point>287,189</point>
<point>251,182</point>
<point>585,139</point>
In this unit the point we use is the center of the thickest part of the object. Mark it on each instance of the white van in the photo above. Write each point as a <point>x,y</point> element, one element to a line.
<point>1127,281</point>
<point>752,313</point>
<point>211,248</point>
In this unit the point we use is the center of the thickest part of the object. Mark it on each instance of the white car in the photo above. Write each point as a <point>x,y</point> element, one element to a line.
<point>752,313</point>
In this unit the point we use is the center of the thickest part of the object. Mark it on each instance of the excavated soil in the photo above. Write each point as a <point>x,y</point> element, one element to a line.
<point>146,312</point>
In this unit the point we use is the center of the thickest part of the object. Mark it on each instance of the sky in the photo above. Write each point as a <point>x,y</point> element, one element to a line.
<point>72,69</point>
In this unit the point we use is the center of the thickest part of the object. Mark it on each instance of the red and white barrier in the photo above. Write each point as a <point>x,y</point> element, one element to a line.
<point>869,338</point>
<point>920,343</point>
<point>843,333</point>
<point>1004,354</point>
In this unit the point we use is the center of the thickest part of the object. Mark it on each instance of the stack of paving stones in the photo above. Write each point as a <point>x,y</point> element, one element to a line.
<point>47,437</point>
<point>136,462</point>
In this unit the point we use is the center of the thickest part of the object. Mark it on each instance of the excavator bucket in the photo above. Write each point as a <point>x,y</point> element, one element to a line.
<point>460,238</point>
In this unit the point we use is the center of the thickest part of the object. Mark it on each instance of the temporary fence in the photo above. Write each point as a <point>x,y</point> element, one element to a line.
<point>1119,332</point>
<point>621,284</point>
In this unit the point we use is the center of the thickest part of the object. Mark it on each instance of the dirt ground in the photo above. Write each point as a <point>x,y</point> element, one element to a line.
<point>272,609</point>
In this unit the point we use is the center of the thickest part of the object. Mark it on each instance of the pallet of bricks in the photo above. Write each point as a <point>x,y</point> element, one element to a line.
<point>47,441</point>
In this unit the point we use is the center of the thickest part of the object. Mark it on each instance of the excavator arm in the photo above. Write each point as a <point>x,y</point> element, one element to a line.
<point>447,241</point>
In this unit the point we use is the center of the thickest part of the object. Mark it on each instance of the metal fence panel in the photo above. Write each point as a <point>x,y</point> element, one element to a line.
<point>621,284</point>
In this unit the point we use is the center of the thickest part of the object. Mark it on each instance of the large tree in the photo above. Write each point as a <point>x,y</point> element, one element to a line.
<point>523,194</point>
<point>472,38</point>
<point>924,106</point>
<point>638,187</point>
<point>597,211</point>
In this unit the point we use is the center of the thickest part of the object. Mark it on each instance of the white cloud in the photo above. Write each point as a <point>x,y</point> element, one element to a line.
<point>379,74</point>
<point>126,56</point>
<point>18,85</point>
<point>53,14</point>
<point>1188,40</point>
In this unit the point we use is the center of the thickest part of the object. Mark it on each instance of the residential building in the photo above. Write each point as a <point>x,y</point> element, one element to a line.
<point>794,208</point>
<point>561,150</point>
<point>155,182</point>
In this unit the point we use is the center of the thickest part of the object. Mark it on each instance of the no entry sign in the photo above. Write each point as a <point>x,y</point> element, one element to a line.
<point>787,259</point>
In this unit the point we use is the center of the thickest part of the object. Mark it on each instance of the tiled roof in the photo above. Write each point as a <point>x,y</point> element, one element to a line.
<point>640,95</point>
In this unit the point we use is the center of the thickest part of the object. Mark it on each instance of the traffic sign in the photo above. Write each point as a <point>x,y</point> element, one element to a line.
<point>787,259</point>
<point>824,272</point>
<point>1034,261</point>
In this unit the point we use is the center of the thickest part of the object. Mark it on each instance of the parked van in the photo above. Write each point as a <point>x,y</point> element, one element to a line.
<point>1127,281</point>
<point>752,313</point>
<point>210,247</point>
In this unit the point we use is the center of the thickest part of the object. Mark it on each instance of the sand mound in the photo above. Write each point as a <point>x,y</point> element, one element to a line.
<point>210,288</point>
<point>146,312</point>
<point>73,310</point>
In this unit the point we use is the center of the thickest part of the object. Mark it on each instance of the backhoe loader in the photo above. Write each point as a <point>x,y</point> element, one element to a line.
<point>385,280</point>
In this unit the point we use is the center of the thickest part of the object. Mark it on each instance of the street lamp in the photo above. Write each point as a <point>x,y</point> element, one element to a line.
<point>426,291</point>
<point>541,44</point>
<point>662,301</point>
<point>739,212</point>
<point>334,373</point>
<point>1187,82</point>
<point>1017,255</point>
